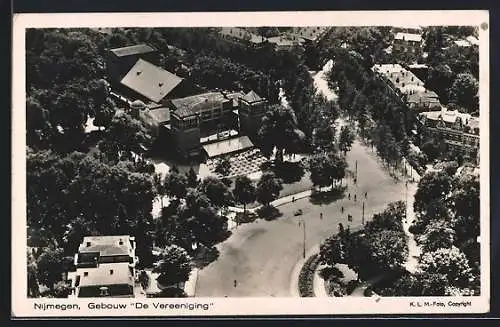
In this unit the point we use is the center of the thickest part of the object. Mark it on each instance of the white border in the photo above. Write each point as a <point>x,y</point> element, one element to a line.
<point>23,307</point>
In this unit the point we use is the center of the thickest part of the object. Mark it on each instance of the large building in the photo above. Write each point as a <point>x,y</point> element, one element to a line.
<point>195,116</point>
<point>460,131</point>
<point>120,60</point>
<point>152,84</point>
<point>408,86</point>
<point>105,266</point>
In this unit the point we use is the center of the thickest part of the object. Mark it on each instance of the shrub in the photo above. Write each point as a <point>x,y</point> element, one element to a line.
<point>269,212</point>
<point>245,217</point>
<point>306,277</point>
<point>351,286</point>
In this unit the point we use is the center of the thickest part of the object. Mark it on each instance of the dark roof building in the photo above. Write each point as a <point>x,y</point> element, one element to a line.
<point>133,50</point>
<point>120,60</point>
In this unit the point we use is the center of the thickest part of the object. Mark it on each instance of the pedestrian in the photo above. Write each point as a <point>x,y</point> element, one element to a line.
<point>349,196</point>
<point>235,283</point>
<point>355,197</point>
<point>293,199</point>
<point>320,215</point>
<point>366,194</point>
<point>342,209</point>
<point>355,180</point>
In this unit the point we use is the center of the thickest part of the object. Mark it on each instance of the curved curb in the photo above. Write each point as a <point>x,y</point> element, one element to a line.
<point>294,279</point>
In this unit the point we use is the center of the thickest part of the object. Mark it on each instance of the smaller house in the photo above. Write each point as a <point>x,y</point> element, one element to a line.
<point>408,37</point>
<point>105,266</point>
<point>111,280</point>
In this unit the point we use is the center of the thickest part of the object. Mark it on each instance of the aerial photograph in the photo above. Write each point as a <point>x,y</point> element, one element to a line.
<point>272,161</point>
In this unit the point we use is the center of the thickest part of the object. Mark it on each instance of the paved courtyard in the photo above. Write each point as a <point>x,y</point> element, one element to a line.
<point>262,256</point>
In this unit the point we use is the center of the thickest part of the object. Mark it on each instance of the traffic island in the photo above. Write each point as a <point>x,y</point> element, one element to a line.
<point>306,276</point>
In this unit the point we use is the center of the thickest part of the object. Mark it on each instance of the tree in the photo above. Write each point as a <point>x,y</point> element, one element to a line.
<point>388,251</point>
<point>434,186</point>
<point>216,191</point>
<point>176,185</point>
<point>320,168</point>
<point>104,115</point>
<point>278,130</point>
<point>334,250</point>
<point>268,188</point>
<point>464,92</point>
<point>62,290</point>
<point>450,262</point>
<point>33,288</point>
<point>159,186</point>
<point>346,139</point>
<point>244,191</point>
<point>390,219</point>
<point>338,166</point>
<point>223,166</point>
<point>466,217</point>
<point>437,235</point>
<point>324,134</point>
<point>192,178</point>
<point>200,220</point>
<point>439,80</point>
<point>326,169</point>
<point>50,269</point>
<point>174,266</point>
<point>124,136</point>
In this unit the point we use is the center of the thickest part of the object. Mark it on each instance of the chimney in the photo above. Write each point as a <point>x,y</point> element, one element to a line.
<point>85,274</point>
<point>88,244</point>
<point>111,271</point>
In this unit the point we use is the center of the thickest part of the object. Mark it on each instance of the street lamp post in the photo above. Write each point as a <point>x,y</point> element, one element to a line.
<point>406,200</point>
<point>303,224</point>
<point>363,214</point>
<point>356,174</point>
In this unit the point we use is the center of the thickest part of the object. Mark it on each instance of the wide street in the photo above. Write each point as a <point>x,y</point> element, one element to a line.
<point>262,255</point>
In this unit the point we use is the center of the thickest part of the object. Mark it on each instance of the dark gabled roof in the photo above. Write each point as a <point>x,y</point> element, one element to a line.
<point>132,50</point>
<point>251,97</point>
<point>150,81</point>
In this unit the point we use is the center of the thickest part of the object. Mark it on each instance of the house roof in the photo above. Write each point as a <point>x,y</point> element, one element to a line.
<point>242,34</point>
<point>150,81</point>
<point>133,50</point>
<point>160,115</point>
<point>309,32</point>
<point>252,97</point>
<point>235,96</point>
<point>106,274</point>
<point>106,245</point>
<point>408,37</point>
<point>194,104</point>
<point>451,116</point>
<point>462,43</point>
<point>472,40</point>
<point>227,146</point>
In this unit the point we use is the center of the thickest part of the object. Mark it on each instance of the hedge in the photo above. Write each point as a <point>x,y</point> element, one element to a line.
<point>306,276</point>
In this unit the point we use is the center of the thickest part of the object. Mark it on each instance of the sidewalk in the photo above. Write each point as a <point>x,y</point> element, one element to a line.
<point>319,284</point>
<point>190,285</point>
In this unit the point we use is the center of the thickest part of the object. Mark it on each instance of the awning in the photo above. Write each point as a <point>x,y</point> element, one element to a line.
<point>227,146</point>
